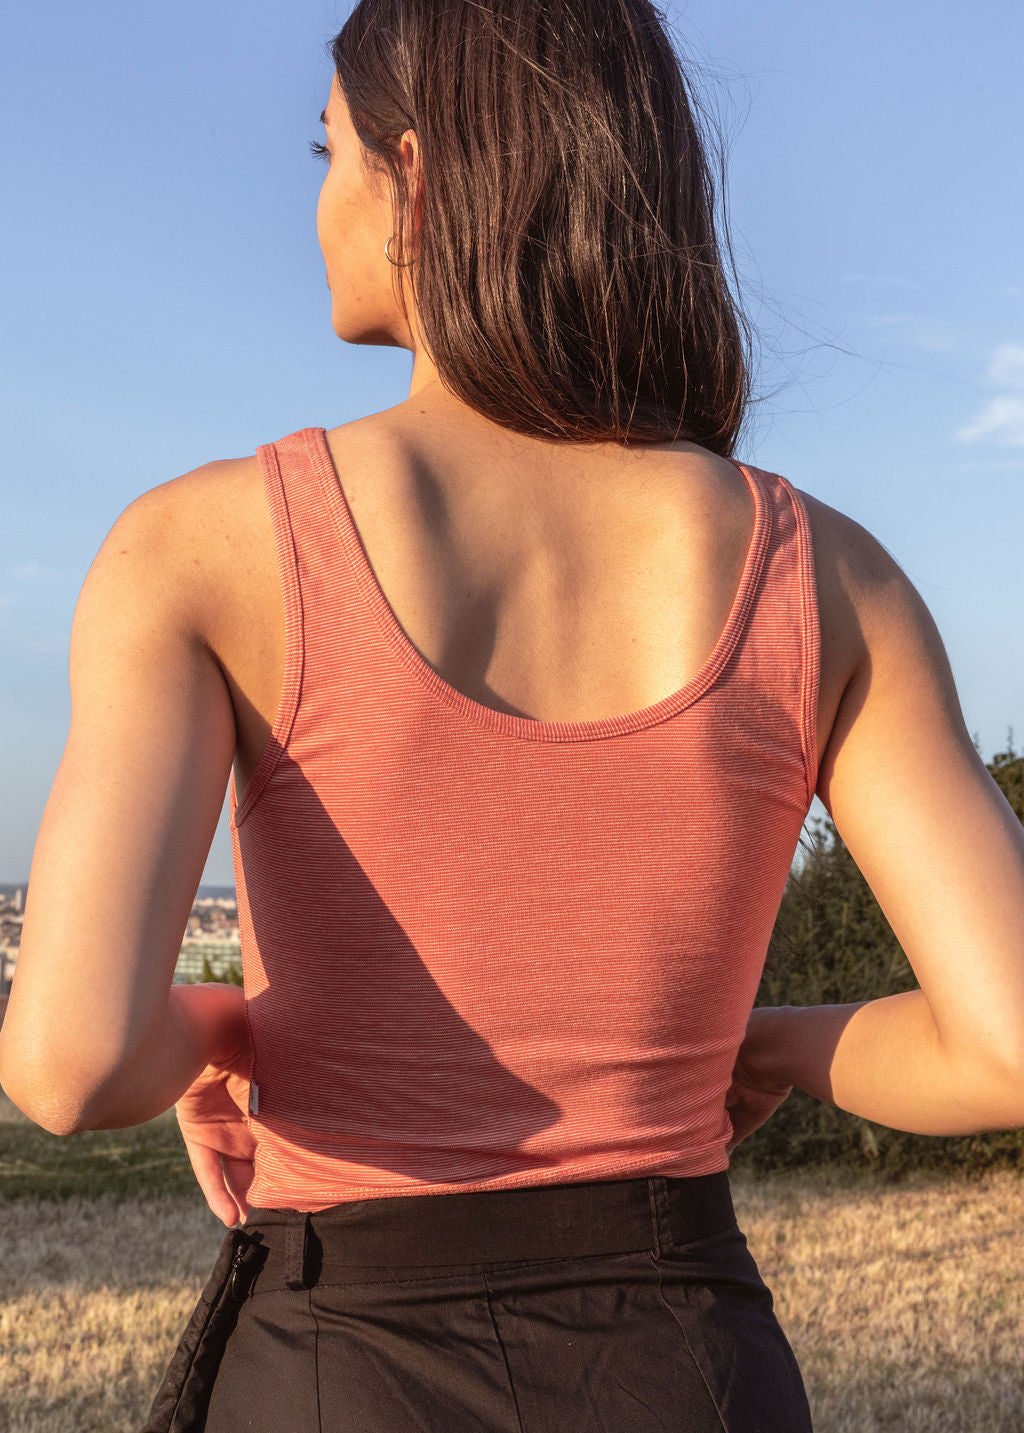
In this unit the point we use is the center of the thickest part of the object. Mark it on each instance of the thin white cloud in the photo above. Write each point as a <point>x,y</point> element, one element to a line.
<point>918,329</point>
<point>1002,418</point>
<point>1013,291</point>
<point>24,571</point>
<point>14,636</point>
<point>932,341</point>
<point>1012,465</point>
<point>1007,366</point>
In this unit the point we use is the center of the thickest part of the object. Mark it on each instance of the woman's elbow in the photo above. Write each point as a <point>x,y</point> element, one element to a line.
<point>59,1100</point>
<point>44,1106</point>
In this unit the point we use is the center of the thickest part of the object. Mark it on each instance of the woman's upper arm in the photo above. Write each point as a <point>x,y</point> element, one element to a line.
<point>928,827</point>
<point>130,817</point>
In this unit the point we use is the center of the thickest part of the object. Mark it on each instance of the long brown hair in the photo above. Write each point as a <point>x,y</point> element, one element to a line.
<point>567,275</point>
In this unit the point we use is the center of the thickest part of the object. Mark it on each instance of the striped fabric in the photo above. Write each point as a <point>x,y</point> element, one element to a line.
<point>482,951</point>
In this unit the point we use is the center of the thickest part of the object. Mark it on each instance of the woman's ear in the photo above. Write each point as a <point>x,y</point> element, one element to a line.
<point>412,159</point>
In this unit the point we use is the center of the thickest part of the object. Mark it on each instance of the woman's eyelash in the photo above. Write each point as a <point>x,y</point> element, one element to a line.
<point>319,151</point>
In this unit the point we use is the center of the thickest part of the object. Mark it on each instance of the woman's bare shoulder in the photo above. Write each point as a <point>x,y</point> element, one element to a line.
<point>890,643</point>
<point>846,549</point>
<point>221,482</point>
<point>199,498</point>
<point>867,606</point>
<point>858,578</point>
<point>211,531</point>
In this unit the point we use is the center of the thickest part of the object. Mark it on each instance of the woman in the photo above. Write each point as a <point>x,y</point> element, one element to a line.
<point>527,685</point>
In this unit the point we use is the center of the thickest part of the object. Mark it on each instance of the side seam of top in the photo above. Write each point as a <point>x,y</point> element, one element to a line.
<point>810,639</point>
<point>295,654</point>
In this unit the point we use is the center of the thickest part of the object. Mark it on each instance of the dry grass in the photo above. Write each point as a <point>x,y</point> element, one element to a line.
<point>96,1294</point>
<point>904,1306</point>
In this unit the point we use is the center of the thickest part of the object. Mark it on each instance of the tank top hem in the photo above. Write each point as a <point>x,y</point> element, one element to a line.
<point>262,1195</point>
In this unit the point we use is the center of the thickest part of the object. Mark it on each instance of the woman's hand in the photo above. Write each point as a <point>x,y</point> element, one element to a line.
<point>213,1118</point>
<point>757,1090</point>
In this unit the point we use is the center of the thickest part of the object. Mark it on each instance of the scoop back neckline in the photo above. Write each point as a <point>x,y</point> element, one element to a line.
<point>534,728</point>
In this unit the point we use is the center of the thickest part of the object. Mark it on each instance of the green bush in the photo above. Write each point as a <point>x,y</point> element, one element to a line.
<point>228,973</point>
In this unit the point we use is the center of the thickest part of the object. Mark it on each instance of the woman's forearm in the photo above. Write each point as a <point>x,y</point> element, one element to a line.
<point>204,1025</point>
<point>884,1061</point>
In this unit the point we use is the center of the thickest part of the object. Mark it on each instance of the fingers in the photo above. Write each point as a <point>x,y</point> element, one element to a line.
<point>238,1176</point>
<point>206,1166</point>
<point>228,1136</point>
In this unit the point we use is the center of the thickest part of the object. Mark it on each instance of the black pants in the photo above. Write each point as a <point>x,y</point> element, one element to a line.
<point>622,1306</point>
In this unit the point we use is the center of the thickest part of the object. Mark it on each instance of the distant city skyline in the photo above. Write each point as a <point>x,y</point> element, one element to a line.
<point>205,891</point>
<point>210,945</point>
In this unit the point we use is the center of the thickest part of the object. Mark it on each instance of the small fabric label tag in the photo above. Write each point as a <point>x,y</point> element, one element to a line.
<point>254,1098</point>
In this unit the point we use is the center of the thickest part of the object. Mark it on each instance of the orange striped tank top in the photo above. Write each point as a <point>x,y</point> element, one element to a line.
<point>483,951</point>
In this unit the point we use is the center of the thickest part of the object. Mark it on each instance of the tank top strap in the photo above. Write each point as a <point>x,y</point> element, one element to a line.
<point>778,661</point>
<point>319,577</point>
<point>301,490</point>
<point>326,627</point>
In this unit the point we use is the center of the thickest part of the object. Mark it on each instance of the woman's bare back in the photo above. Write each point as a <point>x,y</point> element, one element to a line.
<point>550,582</point>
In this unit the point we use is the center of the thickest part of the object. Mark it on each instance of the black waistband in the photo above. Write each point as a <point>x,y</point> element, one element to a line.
<point>354,1241</point>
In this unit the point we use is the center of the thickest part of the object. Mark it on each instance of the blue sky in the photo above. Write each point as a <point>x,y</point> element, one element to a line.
<point>164,300</point>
